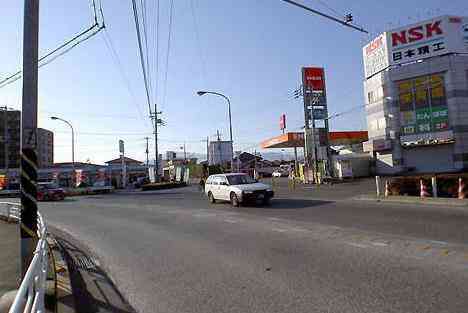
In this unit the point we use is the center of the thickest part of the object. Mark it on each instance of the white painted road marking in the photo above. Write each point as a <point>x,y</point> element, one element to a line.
<point>357,245</point>
<point>228,220</point>
<point>281,230</point>
<point>380,244</point>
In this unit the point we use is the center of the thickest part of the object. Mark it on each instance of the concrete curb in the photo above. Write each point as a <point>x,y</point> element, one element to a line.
<point>452,202</point>
<point>63,295</point>
<point>91,289</point>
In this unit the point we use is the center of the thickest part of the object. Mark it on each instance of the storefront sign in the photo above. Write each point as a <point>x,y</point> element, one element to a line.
<point>429,38</point>
<point>375,56</point>
<point>313,78</point>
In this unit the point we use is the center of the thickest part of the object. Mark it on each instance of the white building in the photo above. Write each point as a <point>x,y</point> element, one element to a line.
<point>416,91</point>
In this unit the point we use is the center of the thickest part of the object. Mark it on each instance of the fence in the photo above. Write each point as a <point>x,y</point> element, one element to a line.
<point>30,295</point>
<point>449,185</point>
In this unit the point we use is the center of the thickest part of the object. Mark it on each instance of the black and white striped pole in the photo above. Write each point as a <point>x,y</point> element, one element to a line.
<point>29,134</point>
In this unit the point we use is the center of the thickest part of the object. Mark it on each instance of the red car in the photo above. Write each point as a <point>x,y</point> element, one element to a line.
<point>49,191</point>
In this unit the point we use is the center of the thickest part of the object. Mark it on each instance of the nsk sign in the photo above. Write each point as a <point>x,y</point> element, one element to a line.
<point>417,33</point>
<point>430,38</point>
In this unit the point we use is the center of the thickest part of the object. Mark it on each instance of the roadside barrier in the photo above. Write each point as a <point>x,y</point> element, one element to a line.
<point>461,189</point>
<point>31,293</point>
<point>450,185</point>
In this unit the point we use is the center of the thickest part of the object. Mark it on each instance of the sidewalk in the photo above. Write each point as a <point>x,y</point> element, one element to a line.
<point>82,285</point>
<point>338,191</point>
<point>449,202</point>
<point>9,257</point>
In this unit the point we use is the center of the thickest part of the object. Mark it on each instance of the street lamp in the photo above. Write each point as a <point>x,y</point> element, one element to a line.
<point>73,139</point>
<point>201,93</point>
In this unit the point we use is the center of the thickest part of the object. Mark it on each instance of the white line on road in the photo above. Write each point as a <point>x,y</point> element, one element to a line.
<point>357,245</point>
<point>439,242</point>
<point>204,214</point>
<point>280,230</point>
<point>379,244</point>
<point>228,220</point>
<point>299,229</point>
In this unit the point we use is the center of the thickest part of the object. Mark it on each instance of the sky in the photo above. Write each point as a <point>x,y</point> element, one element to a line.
<point>251,51</point>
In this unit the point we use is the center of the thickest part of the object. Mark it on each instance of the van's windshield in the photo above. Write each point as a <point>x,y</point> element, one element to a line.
<point>240,179</point>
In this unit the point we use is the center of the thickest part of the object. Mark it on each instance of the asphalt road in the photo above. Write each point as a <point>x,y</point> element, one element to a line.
<point>171,251</point>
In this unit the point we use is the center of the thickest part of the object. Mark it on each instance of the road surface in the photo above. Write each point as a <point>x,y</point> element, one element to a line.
<point>171,251</point>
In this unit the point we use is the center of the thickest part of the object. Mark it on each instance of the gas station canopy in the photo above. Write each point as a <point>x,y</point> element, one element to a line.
<point>296,139</point>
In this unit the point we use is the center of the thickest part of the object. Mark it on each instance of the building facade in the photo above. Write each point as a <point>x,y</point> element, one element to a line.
<point>10,134</point>
<point>416,93</point>
<point>45,148</point>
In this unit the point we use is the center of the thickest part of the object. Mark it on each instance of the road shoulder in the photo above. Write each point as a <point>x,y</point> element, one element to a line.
<point>92,288</point>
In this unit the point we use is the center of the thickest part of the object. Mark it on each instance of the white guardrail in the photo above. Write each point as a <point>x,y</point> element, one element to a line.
<point>30,295</point>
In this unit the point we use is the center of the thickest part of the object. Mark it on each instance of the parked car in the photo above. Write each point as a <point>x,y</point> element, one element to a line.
<point>49,191</point>
<point>279,173</point>
<point>238,188</point>
<point>276,174</point>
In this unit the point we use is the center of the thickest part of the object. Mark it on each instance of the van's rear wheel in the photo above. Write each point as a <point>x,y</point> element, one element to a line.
<point>211,198</point>
<point>234,199</point>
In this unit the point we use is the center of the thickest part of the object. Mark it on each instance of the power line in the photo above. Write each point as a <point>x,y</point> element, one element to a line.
<point>14,77</point>
<point>118,64</point>
<point>156,62</point>
<point>168,51</point>
<point>197,38</point>
<point>142,60</point>
<point>145,36</point>
<point>341,14</point>
<point>112,116</point>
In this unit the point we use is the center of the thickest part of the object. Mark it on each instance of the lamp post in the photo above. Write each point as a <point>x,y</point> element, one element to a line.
<point>201,93</point>
<point>73,141</point>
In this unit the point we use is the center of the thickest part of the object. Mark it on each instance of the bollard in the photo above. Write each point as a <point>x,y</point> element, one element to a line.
<point>377,185</point>
<point>434,186</point>
<point>423,193</point>
<point>387,188</point>
<point>461,189</point>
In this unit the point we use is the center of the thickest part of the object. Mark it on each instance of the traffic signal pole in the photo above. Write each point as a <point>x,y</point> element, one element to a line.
<point>28,221</point>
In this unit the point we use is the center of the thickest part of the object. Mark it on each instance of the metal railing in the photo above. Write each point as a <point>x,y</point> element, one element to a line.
<point>30,295</point>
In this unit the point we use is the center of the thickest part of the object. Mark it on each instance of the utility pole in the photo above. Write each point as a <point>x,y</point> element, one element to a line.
<point>147,152</point>
<point>5,137</point>
<point>207,140</point>
<point>156,121</point>
<point>28,221</point>
<point>219,148</point>
<point>185,154</point>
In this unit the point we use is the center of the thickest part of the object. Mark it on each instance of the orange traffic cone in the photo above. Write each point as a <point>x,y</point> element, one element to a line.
<point>387,188</point>
<point>424,193</point>
<point>461,189</point>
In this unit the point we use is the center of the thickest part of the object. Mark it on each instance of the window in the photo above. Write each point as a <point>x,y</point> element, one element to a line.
<point>370,97</point>
<point>240,180</point>
<point>423,104</point>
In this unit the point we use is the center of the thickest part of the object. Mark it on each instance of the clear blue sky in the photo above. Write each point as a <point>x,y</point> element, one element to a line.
<point>250,50</point>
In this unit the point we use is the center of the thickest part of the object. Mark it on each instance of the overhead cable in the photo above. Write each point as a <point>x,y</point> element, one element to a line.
<point>168,51</point>
<point>140,48</point>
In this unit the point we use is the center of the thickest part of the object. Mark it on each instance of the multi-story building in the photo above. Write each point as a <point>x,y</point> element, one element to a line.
<point>45,148</point>
<point>416,91</point>
<point>10,138</point>
<point>10,134</point>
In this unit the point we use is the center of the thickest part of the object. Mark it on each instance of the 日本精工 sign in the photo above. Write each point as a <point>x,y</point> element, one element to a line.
<point>437,36</point>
